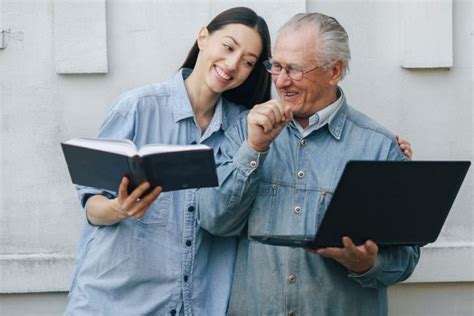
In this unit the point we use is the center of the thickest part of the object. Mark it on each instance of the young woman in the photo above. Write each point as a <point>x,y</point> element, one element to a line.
<point>149,256</point>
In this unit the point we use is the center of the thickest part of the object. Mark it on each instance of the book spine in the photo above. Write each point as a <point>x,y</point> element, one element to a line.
<point>137,172</point>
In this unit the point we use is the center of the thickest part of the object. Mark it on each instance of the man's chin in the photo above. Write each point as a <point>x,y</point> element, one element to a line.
<point>301,116</point>
<point>293,107</point>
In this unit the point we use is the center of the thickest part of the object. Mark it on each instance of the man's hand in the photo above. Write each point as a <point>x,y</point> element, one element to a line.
<point>358,259</point>
<point>265,121</point>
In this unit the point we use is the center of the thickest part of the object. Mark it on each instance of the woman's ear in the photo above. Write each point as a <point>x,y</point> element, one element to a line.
<point>202,37</point>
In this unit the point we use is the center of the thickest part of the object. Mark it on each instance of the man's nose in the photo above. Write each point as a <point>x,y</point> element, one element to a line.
<point>282,79</point>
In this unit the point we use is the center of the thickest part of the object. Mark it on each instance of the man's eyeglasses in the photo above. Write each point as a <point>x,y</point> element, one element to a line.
<point>293,71</point>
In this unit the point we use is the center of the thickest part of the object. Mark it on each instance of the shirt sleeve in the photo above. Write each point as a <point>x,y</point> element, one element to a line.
<point>119,124</point>
<point>224,210</point>
<point>394,263</point>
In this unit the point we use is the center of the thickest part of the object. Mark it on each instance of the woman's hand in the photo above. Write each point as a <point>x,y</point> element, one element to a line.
<point>132,205</point>
<point>102,211</point>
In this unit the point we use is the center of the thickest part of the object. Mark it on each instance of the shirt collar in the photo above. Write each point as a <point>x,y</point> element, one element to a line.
<point>337,120</point>
<point>326,113</point>
<point>182,109</point>
<point>216,121</point>
<point>322,117</point>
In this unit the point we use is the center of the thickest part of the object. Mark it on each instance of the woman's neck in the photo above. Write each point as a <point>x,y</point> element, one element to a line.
<point>203,100</point>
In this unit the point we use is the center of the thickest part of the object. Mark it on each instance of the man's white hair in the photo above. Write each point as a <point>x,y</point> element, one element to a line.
<point>333,40</point>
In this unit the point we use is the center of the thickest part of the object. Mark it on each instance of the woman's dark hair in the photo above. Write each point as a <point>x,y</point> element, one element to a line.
<point>256,89</point>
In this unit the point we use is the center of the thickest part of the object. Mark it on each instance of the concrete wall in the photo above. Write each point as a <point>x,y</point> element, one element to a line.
<point>146,41</point>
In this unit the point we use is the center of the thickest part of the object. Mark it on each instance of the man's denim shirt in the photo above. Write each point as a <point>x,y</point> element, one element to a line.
<point>286,191</point>
<point>163,263</point>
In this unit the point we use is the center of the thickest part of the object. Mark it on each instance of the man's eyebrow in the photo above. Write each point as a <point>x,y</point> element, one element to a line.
<point>291,65</point>
<point>237,43</point>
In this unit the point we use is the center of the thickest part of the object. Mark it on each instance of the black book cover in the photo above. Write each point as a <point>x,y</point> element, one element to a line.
<point>172,170</point>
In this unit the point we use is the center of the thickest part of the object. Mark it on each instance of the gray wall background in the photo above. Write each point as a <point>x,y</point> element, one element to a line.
<point>146,41</point>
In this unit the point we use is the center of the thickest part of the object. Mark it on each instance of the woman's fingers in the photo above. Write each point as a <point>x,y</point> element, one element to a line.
<point>138,192</point>
<point>139,206</point>
<point>122,191</point>
<point>152,196</point>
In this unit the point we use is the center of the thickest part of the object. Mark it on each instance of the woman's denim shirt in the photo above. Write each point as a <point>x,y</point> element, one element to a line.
<point>163,263</point>
<point>286,192</point>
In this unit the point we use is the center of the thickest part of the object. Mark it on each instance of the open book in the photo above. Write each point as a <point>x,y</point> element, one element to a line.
<point>102,163</point>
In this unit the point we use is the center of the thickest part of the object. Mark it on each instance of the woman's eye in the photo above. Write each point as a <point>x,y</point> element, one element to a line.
<point>227,47</point>
<point>248,63</point>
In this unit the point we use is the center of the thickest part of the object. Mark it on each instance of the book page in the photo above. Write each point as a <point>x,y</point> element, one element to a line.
<point>164,148</point>
<point>118,146</point>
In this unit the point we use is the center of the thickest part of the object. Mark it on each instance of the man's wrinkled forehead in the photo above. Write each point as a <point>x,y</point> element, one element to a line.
<point>299,43</point>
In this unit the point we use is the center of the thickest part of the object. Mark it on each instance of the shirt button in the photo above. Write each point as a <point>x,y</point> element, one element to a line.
<point>185,278</point>
<point>173,312</point>
<point>191,209</point>
<point>297,210</point>
<point>292,278</point>
<point>300,174</point>
<point>303,142</point>
<point>188,243</point>
<point>253,164</point>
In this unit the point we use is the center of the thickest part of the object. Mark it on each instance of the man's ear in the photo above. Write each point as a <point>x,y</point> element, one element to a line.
<point>202,37</point>
<point>336,72</point>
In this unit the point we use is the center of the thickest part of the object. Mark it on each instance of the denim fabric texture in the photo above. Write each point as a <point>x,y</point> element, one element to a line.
<point>286,191</point>
<point>162,264</point>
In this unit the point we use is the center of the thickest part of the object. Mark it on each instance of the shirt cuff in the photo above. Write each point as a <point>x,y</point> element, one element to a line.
<point>372,273</point>
<point>248,159</point>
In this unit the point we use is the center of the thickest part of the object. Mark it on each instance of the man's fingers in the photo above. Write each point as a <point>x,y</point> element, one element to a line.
<point>330,252</point>
<point>347,242</point>
<point>405,146</point>
<point>288,113</point>
<point>349,246</point>
<point>371,247</point>
<point>312,250</point>
<point>271,111</point>
<point>280,106</point>
<point>266,113</point>
<point>403,142</point>
<point>263,121</point>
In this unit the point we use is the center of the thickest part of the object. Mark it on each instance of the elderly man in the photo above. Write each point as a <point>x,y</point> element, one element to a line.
<point>278,169</point>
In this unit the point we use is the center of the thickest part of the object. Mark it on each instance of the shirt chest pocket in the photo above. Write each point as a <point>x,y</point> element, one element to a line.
<point>324,199</point>
<point>260,218</point>
<point>158,213</point>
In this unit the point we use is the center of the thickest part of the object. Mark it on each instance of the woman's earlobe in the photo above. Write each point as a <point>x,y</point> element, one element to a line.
<point>202,36</point>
